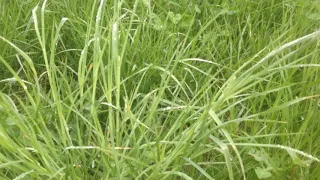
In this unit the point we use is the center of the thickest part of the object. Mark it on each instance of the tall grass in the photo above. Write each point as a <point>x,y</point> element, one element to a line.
<point>159,89</point>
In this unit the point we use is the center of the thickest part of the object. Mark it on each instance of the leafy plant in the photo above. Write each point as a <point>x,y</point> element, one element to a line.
<point>162,89</point>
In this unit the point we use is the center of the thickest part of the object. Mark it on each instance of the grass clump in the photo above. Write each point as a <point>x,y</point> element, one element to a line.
<point>159,89</point>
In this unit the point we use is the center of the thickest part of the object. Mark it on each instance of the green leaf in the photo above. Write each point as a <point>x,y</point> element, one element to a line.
<point>148,154</point>
<point>197,9</point>
<point>13,131</point>
<point>208,176</point>
<point>224,33</point>
<point>10,121</point>
<point>186,21</point>
<point>228,12</point>
<point>262,173</point>
<point>146,3</point>
<point>259,155</point>
<point>275,162</point>
<point>175,18</point>
<point>208,37</point>
<point>297,160</point>
<point>314,16</point>
<point>157,23</point>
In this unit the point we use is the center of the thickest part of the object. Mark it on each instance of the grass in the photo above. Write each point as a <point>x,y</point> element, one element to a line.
<point>159,89</point>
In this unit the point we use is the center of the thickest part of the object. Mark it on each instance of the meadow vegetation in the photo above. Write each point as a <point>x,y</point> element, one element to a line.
<point>146,89</point>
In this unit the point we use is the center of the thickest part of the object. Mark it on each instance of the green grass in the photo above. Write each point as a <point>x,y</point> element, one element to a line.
<point>145,89</point>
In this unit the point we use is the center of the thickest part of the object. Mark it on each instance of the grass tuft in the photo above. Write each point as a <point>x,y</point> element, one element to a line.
<point>147,89</point>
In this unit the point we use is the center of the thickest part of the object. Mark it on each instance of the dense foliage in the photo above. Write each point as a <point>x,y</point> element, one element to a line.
<point>145,89</point>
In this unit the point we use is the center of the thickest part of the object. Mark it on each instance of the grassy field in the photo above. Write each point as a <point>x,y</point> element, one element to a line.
<point>146,89</point>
